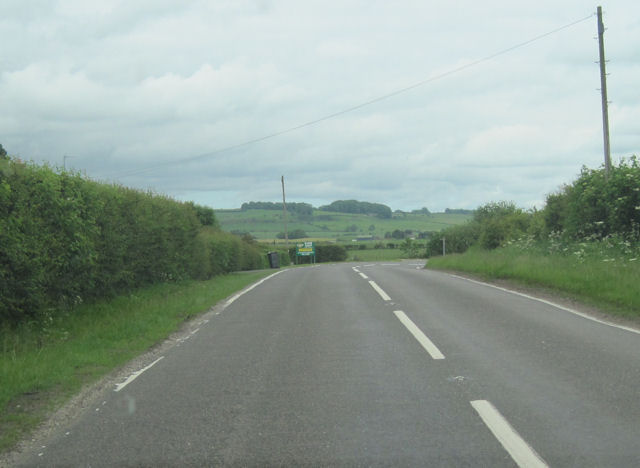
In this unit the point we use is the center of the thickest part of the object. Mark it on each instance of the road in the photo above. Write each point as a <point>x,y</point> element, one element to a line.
<point>371,365</point>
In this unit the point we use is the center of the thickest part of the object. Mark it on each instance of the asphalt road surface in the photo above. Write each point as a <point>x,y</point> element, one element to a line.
<point>371,365</point>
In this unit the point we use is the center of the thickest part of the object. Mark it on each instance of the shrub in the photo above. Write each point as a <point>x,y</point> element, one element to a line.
<point>596,206</point>
<point>458,239</point>
<point>65,239</point>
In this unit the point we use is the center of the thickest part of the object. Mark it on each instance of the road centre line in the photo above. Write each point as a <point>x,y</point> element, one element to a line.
<point>383,295</point>
<point>552,304</point>
<point>237,296</point>
<point>359,272</point>
<point>426,343</point>
<point>521,452</point>
<point>136,374</point>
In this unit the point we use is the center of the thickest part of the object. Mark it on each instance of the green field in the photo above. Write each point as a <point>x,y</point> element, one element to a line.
<point>332,226</point>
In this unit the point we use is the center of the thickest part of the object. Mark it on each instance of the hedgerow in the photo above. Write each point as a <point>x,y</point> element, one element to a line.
<point>324,253</point>
<point>594,207</point>
<point>65,239</point>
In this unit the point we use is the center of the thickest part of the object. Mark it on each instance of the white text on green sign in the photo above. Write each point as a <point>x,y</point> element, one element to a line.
<point>305,248</point>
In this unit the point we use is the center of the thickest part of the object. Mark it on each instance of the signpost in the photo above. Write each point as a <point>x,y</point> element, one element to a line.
<point>306,249</point>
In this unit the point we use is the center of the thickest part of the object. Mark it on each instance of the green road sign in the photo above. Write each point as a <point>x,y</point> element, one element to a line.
<point>305,248</point>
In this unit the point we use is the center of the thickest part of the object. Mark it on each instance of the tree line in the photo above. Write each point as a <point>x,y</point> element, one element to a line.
<point>358,207</point>
<point>339,206</point>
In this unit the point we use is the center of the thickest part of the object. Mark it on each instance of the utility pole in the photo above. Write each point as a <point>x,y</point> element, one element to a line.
<point>284,212</point>
<point>603,91</point>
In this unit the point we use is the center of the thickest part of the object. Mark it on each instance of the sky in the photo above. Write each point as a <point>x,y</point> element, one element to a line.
<point>410,103</point>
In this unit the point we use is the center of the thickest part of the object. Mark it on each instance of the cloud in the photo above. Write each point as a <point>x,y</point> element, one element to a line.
<point>148,94</point>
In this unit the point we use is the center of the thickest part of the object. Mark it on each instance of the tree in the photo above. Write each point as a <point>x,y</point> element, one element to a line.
<point>248,238</point>
<point>205,215</point>
<point>499,222</point>
<point>3,153</point>
<point>597,205</point>
<point>358,207</point>
<point>412,249</point>
<point>423,210</point>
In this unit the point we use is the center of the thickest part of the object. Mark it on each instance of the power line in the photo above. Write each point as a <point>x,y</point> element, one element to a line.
<point>358,106</point>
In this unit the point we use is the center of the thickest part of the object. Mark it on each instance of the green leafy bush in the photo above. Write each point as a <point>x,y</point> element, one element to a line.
<point>222,252</point>
<point>595,205</point>
<point>65,240</point>
<point>458,239</point>
<point>500,222</point>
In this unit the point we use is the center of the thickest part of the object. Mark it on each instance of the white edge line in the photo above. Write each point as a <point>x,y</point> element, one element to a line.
<point>135,375</point>
<point>383,295</point>
<point>426,343</point>
<point>363,275</point>
<point>240,294</point>
<point>553,304</point>
<point>522,453</point>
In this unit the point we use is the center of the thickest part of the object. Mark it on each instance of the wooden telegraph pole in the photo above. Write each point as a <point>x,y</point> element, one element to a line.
<point>603,91</point>
<point>284,212</point>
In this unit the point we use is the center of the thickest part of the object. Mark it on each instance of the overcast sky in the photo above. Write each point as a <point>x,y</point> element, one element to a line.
<point>167,94</point>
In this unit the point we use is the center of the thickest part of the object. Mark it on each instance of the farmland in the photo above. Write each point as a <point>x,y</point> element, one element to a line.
<point>265,225</point>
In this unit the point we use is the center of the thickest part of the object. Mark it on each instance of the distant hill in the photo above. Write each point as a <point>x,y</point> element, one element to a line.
<point>264,221</point>
<point>299,208</point>
<point>458,211</point>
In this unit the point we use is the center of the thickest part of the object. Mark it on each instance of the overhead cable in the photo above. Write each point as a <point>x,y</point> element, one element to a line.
<point>356,107</point>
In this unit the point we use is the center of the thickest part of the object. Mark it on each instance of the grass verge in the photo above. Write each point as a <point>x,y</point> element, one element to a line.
<point>604,282</point>
<point>43,364</point>
<point>375,255</point>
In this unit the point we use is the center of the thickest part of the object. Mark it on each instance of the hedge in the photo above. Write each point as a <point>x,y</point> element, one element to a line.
<point>65,239</point>
<point>324,253</point>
